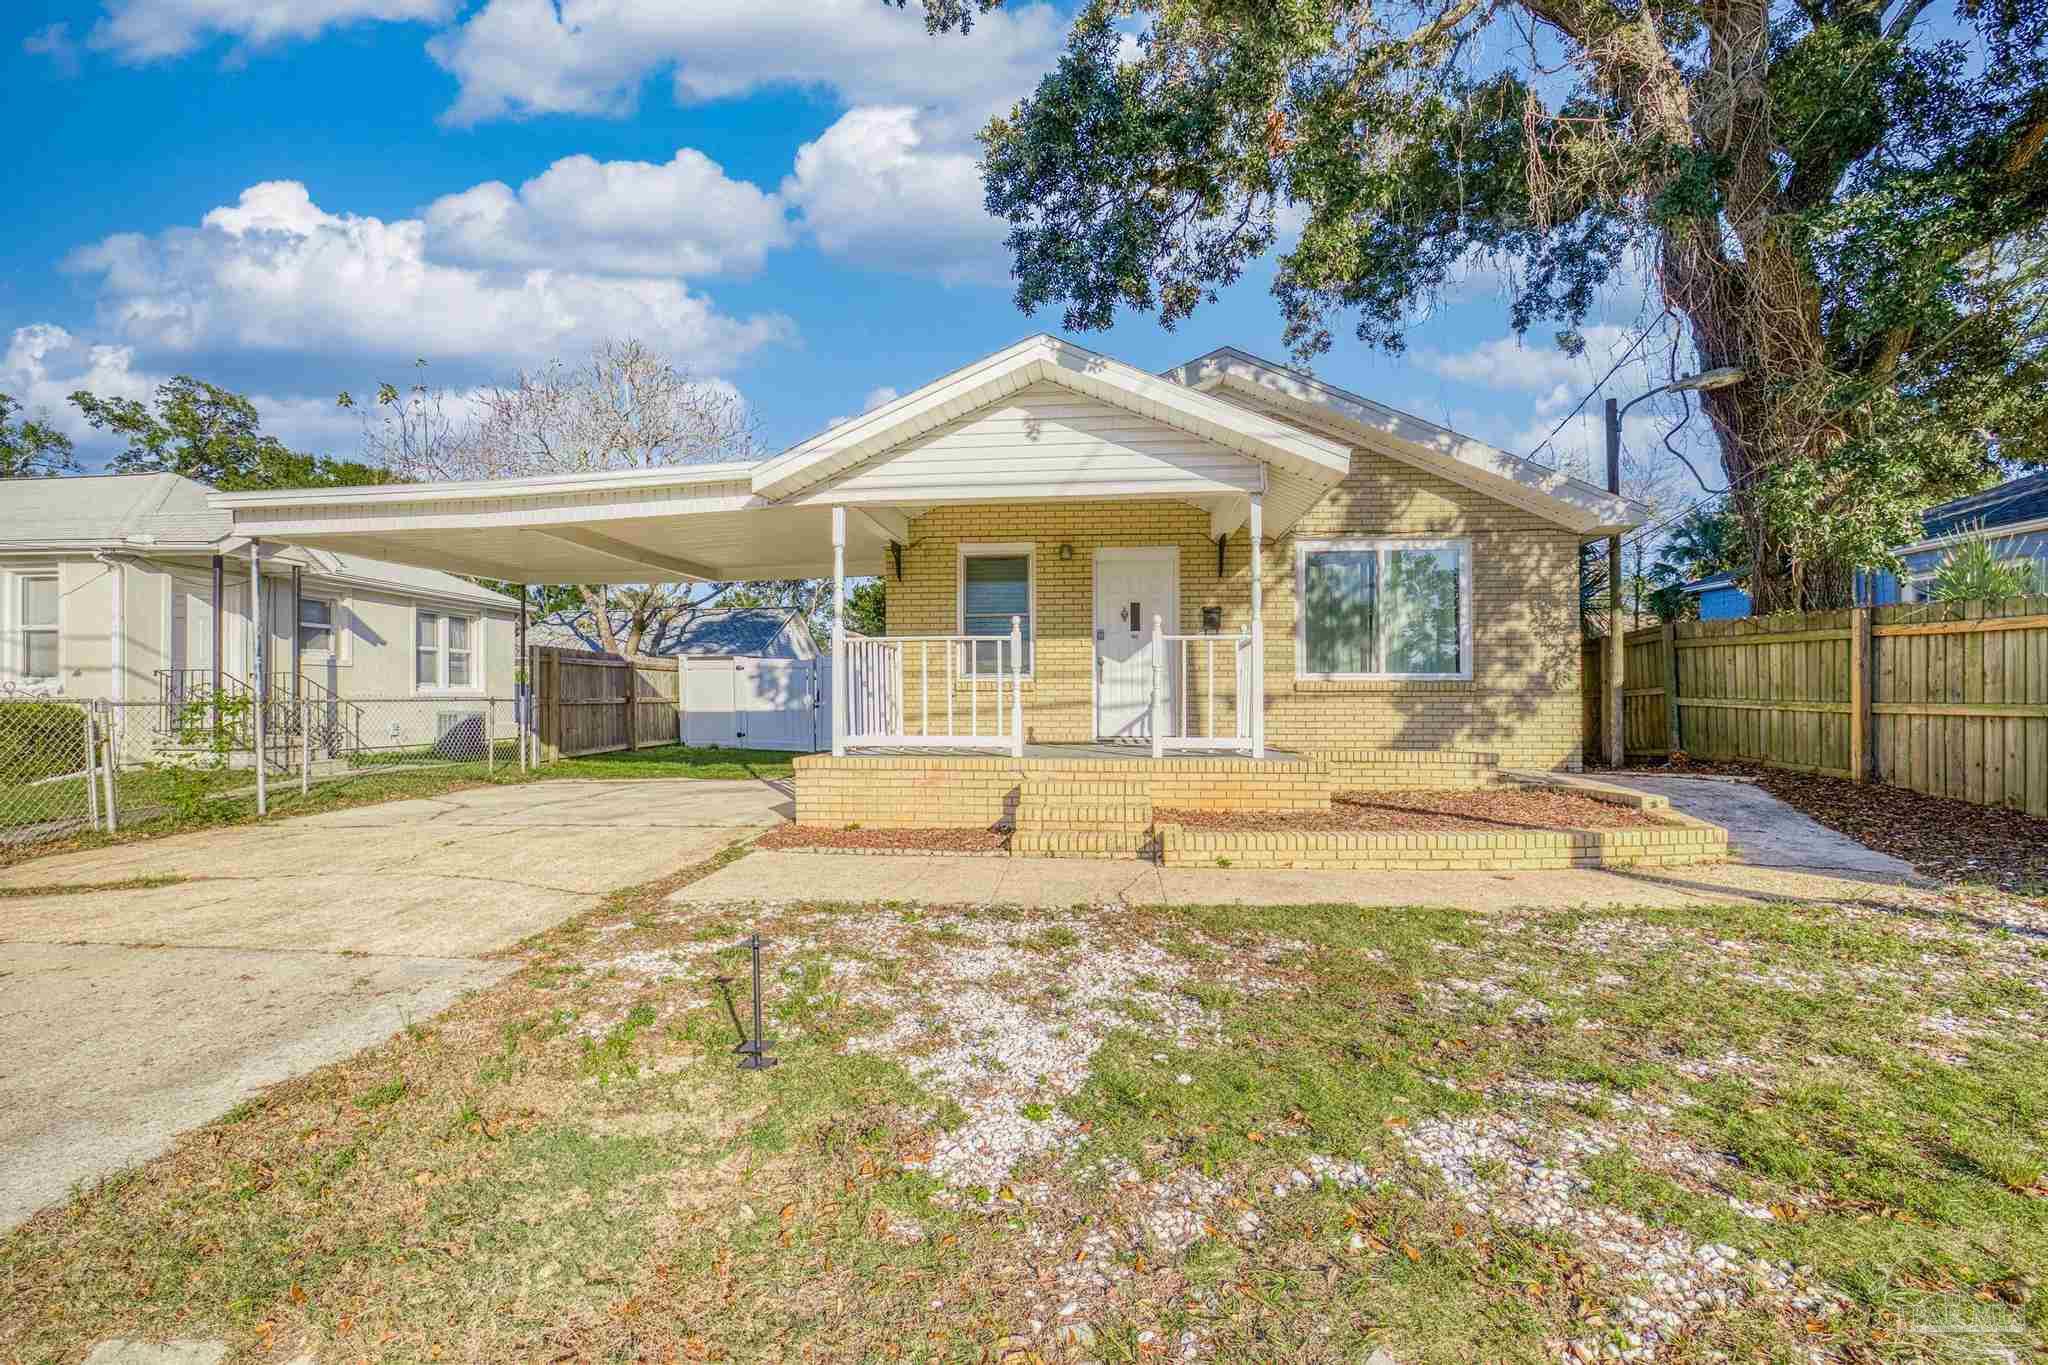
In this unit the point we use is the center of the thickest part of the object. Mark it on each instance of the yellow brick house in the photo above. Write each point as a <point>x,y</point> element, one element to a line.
<point>1228,583</point>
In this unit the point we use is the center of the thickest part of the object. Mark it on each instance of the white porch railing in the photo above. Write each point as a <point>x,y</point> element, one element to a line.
<point>1198,661</point>
<point>905,691</point>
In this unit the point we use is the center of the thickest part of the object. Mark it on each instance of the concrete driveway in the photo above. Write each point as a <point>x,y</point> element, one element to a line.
<point>128,1016</point>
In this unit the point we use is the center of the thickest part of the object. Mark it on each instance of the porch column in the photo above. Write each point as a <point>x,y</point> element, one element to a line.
<point>298,611</point>
<point>219,645</point>
<point>256,665</point>
<point>522,682</point>
<point>1256,524</point>
<point>839,659</point>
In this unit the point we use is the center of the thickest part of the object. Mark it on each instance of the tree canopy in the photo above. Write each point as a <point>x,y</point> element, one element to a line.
<point>1847,199</point>
<point>31,448</point>
<point>205,432</point>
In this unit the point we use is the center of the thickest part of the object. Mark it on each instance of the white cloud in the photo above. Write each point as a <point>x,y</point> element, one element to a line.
<point>44,364</point>
<point>592,56</point>
<point>879,396</point>
<point>684,217</point>
<point>873,191</point>
<point>275,273</point>
<point>54,41</point>
<point>150,30</point>
<point>1515,363</point>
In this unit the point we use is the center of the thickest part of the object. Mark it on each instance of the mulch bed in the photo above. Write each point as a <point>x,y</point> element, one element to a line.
<point>1479,811</point>
<point>887,840</point>
<point>1956,841</point>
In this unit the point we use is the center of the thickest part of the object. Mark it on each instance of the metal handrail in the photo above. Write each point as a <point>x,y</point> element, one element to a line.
<point>878,698</point>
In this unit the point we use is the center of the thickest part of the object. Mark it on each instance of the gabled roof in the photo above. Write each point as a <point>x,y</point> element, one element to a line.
<point>1048,360</point>
<point>741,630</point>
<point>97,511</point>
<point>1548,493</point>
<point>169,514</point>
<point>2016,500</point>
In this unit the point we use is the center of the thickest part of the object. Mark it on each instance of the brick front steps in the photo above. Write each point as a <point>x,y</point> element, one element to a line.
<point>1687,841</point>
<point>1103,808</point>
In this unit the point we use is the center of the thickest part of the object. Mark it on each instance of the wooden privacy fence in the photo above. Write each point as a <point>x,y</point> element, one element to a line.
<point>1947,698</point>
<point>599,703</point>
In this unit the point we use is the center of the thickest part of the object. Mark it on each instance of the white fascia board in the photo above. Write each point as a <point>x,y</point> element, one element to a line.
<point>1555,496</point>
<point>1045,359</point>
<point>470,512</point>
<point>550,485</point>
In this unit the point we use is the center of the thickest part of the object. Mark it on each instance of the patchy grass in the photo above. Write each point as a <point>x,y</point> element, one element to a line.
<point>372,786</point>
<point>1293,1133</point>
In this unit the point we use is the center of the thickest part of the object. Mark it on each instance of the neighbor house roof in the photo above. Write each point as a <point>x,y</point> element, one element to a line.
<point>2011,503</point>
<point>171,514</point>
<point>741,630</point>
<point>1551,494</point>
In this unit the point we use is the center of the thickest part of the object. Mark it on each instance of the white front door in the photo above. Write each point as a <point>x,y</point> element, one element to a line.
<point>1131,587</point>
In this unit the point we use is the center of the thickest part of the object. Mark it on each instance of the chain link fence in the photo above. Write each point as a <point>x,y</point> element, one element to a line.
<point>49,780</point>
<point>69,766</point>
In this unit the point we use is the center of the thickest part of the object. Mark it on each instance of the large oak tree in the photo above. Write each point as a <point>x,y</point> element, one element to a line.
<point>1845,198</point>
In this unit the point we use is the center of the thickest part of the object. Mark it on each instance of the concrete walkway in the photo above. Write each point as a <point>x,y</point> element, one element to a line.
<point>128,1016</point>
<point>789,878</point>
<point>1764,831</point>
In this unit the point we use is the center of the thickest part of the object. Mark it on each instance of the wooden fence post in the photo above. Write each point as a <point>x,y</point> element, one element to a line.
<point>1672,743</point>
<point>551,737</point>
<point>1859,694</point>
<point>632,676</point>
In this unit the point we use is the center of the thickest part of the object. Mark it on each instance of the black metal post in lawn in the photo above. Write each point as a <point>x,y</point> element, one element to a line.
<point>754,1051</point>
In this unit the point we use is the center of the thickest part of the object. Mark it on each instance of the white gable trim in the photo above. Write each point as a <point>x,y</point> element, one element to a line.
<point>1048,360</point>
<point>1415,441</point>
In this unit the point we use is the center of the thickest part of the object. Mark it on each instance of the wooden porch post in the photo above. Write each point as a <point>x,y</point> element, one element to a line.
<point>839,659</point>
<point>1257,526</point>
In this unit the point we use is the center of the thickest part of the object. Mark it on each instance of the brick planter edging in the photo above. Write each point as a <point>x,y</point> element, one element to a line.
<point>1685,841</point>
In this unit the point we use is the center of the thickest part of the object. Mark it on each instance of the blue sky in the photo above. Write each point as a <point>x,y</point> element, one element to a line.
<point>296,198</point>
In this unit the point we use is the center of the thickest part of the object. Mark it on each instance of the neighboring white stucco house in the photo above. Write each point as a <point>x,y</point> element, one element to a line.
<point>130,588</point>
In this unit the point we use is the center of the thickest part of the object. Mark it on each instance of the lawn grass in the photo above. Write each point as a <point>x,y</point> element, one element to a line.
<point>142,795</point>
<point>568,1166</point>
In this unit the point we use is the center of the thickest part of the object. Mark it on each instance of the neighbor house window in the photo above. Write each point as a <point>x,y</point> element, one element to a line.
<point>316,625</point>
<point>39,629</point>
<point>427,650</point>
<point>444,650</point>
<point>458,652</point>
<point>995,585</point>
<point>1384,608</point>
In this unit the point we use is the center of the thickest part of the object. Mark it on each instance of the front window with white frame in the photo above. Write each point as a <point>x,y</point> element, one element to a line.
<point>444,652</point>
<point>996,584</point>
<point>38,605</point>
<point>1383,609</point>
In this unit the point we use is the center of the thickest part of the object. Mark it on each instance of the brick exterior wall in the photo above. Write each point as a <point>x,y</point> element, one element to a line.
<point>1521,705</point>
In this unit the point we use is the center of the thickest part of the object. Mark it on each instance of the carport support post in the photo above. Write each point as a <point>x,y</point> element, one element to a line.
<point>1617,643</point>
<point>256,633</point>
<point>839,632</point>
<point>1255,523</point>
<point>522,688</point>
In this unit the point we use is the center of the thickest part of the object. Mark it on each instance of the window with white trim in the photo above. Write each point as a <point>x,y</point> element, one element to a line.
<point>444,651</point>
<point>316,625</point>
<point>38,662</point>
<point>1383,608</point>
<point>995,585</point>
<point>460,674</point>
